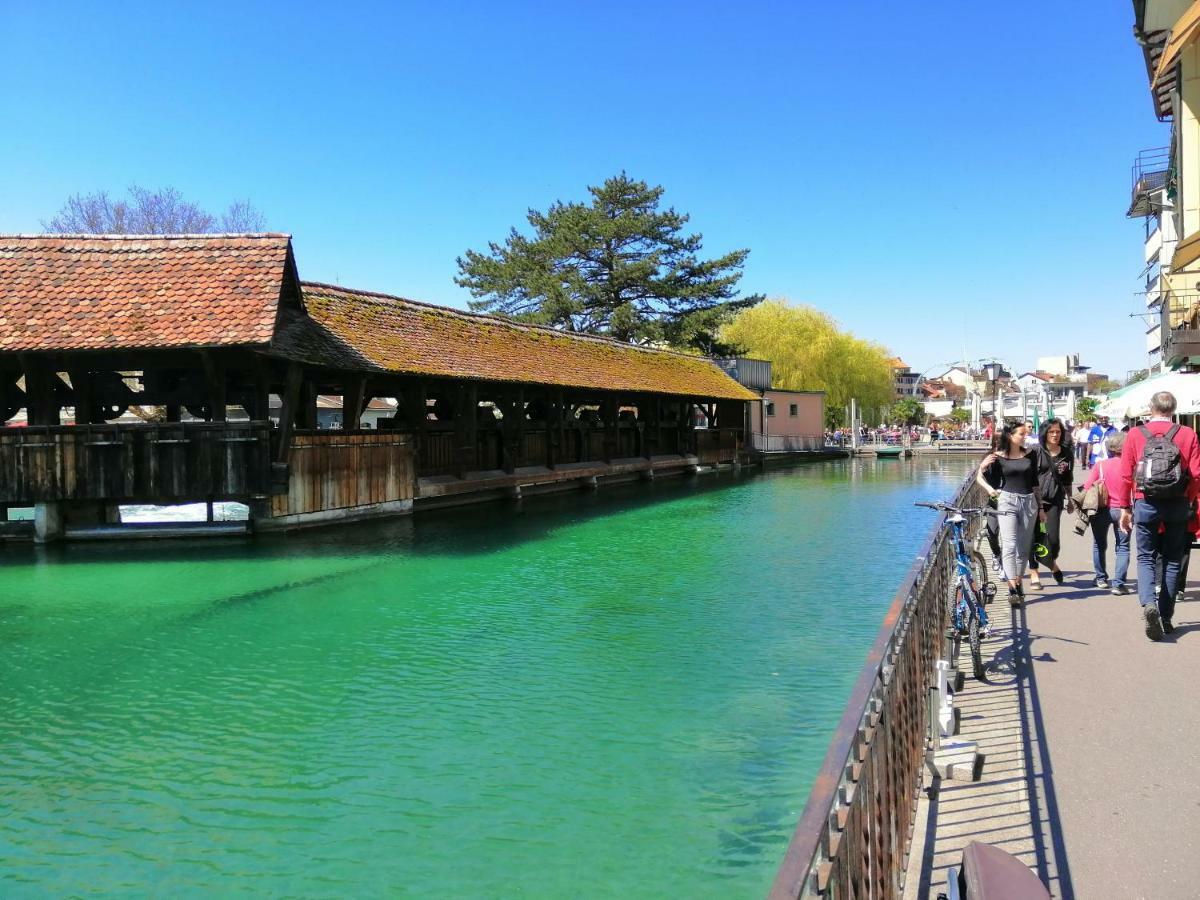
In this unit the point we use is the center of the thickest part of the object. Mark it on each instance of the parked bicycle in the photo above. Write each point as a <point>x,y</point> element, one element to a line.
<point>971,589</point>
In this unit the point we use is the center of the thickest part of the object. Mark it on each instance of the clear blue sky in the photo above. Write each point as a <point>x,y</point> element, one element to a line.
<point>942,177</point>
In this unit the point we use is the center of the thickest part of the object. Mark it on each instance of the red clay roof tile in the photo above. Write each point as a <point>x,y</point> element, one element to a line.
<point>92,292</point>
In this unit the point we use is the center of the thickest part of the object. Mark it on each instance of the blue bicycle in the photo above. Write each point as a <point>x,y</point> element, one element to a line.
<point>971,589</point>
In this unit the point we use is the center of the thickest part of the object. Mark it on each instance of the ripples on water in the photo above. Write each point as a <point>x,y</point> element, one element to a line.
<point>624,694</point>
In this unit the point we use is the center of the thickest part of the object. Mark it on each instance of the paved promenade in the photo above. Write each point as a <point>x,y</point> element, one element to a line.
<point>1091,734</point>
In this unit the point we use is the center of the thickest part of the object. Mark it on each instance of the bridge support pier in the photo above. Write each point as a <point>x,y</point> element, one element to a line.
<point>49,523</point>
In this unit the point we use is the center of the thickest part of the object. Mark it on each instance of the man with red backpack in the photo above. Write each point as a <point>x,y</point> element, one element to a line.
<point>1160,478</point>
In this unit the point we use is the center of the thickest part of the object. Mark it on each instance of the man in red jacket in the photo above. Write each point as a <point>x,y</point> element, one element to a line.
<point>1149,501</point>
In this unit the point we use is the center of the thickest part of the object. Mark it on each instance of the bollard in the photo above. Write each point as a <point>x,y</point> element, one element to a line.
<point>945,714</point>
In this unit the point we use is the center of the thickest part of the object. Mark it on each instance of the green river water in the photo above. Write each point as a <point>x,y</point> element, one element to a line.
<point>624,694</point>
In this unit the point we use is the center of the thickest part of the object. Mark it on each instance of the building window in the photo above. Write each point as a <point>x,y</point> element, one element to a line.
<point>793,410</point>
<point>770,404</point>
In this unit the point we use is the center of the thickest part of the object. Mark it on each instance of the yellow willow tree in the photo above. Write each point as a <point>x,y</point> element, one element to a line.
<point>810,352</point>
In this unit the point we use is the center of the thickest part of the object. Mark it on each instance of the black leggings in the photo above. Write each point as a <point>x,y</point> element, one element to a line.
<point>991,523</point>
<point>1053,519</point>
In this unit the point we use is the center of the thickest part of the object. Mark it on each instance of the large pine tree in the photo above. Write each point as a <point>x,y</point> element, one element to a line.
<point>618,266</point>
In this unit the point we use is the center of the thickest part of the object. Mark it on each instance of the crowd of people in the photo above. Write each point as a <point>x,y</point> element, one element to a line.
<point>1141,484</point>
<point>910,434</point>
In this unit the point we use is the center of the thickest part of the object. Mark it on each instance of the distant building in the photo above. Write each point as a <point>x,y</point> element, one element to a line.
<point>1166,185</point>
<point>905,378</point>
<point>1067,367</point>
<point>959,375</point>
<point>788,421</point>
<point>783,421</point>
<point>1152,201</point>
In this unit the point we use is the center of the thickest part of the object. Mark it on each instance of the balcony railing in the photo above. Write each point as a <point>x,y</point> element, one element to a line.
<point>1151,173</point>
<point>1181,329</point>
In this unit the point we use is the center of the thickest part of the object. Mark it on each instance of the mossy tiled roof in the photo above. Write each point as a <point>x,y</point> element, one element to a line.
<point>397,335</point>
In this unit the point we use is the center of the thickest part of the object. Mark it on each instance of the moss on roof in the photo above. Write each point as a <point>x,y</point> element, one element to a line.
<point>398,335</point>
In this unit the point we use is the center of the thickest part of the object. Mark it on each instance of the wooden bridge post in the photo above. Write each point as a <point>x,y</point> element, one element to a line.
<point>287,412</point>
<point>553,426</point>
<point>612,437</point>
<point>40,395</point>
<point>214,380</point>
<point>85,405</point>
<point>519,431</point>
<point>354,390</point>
<point>472,414</point>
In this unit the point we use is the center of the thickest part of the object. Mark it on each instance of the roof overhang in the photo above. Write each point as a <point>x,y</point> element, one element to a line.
<point>1163,40</point>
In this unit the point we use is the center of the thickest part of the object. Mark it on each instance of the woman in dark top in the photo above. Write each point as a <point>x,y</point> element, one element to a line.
<point>1056,464</point>
<point>1018,503</point>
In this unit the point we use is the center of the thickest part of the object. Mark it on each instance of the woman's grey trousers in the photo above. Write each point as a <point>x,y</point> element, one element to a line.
<point>1018,516</point>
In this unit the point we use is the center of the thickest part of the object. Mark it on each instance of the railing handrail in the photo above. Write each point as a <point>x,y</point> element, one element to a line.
<point>132,426</point>
<point>798,872</point>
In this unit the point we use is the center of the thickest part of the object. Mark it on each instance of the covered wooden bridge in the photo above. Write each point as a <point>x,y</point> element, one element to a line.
<point>142,369</point>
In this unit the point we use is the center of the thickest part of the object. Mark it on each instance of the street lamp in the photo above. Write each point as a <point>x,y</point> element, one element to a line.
<point>992,372</point>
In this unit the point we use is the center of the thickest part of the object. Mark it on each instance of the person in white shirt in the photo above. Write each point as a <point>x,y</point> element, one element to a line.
<point>1082,431</point>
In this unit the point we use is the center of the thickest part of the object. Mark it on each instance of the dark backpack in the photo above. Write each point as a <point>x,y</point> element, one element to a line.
<point>1160,473</point>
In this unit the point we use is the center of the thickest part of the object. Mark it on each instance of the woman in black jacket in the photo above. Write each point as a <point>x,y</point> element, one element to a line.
<point>1056,471</point>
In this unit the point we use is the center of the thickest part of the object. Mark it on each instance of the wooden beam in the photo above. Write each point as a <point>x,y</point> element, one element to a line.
<point>518,451</point>
<point>85,401</point>
<point>608,416</point>
<point>354,398</point>
<point>41,401</point>
<point>262,389</point>
<point>461,414</point>
<point>553,418</point>
<point>472,413</point>
<point>214,380</point>
<point>306,411</point>
<point>287,412</point>
<point>415,397</point>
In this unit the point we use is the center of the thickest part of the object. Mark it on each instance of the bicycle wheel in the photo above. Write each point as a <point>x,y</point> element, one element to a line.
<point>976,649</point>
<point>979,572</point>
<point>952,599</point>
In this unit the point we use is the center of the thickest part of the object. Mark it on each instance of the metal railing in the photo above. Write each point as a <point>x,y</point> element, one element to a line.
<point>1150,175</point>
<point>785,443</point>
<point>854,834</point>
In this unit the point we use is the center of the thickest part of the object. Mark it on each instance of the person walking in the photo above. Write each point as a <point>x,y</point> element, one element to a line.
<point>1018,504</point>
<point>1080,437</point>
<point>1160,474</point>
<point>1096,437</point>
<point>991,521</point>
<point>1107,519</point>
<point>1056,467</point>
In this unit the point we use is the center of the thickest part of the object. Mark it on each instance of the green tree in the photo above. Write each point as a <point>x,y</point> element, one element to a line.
<point>618,265</point>
<point>960,416</point>
<point>908,411</point>
<point>1085,407</point>
<point>810,352</point>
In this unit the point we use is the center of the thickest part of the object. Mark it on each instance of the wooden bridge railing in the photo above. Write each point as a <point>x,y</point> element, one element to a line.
<point>164,462</point>
<point>330,470</point>
<point>853,836</point>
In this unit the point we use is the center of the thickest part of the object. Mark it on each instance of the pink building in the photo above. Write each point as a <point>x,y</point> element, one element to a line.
<point>788,420</point>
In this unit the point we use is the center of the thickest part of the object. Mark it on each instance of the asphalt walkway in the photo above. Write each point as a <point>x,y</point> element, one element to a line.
<point>1091,737</point>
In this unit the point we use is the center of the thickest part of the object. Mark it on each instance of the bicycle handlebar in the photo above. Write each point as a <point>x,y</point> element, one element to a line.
<point>946,507</point>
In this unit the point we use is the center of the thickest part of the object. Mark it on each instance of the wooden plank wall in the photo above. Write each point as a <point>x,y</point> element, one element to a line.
<point>717,445</point>
<point>150,463</point>
<point>340,469</point>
